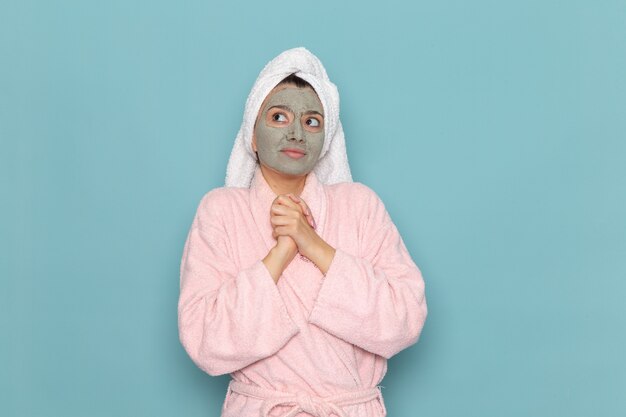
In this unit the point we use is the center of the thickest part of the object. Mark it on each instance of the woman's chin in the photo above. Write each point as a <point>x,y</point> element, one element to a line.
<point>288,172</point>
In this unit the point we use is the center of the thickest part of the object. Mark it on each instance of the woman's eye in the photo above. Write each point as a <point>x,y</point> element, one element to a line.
<point>312,122</point>
<point>279,117</point>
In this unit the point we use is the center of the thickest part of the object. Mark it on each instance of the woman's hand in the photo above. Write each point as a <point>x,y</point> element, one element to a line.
<point>285,243</point>
<point>291,217</point>
<point>281,255</point>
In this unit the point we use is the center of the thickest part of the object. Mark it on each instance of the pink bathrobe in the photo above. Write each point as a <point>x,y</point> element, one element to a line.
<point>309,345</point>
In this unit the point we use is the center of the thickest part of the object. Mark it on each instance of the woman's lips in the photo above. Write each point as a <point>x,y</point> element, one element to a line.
<point>293,153</point>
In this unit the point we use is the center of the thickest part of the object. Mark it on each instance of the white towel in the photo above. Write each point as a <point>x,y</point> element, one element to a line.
<point>332,165</point>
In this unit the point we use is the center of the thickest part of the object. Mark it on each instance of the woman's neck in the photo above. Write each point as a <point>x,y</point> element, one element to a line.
<point>283,183</point>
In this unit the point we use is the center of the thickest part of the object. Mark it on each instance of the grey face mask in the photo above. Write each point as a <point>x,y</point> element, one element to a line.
<point>290,118</point>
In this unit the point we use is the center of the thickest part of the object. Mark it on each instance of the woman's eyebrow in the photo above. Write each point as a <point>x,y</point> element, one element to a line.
<point>280,106</point>
<point>287,108</point>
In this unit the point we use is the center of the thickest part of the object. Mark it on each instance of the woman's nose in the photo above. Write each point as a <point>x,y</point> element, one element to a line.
<point>296,132</point>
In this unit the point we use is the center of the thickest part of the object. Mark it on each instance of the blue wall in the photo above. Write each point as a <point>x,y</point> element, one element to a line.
<point>493,130</point>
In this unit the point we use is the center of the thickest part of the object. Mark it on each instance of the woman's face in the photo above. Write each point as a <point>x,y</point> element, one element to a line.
<point>289,131</point>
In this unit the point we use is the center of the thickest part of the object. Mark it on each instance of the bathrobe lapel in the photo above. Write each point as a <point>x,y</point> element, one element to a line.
<point>262,196</point>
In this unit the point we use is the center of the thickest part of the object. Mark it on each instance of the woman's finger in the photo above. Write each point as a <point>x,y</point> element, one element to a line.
<point>285,200</point>
<point>280,220</point>
<point>280,209</point>
<point>281,231</point>
<point>295,198</point>
<point>297,203</point>
<point>305,209</point>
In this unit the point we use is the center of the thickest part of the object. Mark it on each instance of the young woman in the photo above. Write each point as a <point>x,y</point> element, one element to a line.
<point>294,279</point>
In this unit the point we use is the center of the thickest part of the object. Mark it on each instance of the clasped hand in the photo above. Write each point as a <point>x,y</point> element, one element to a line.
<point>292,220</point>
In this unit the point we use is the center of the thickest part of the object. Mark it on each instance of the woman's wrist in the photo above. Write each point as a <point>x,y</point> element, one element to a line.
<point>321,255</point>
<point>276,261</point>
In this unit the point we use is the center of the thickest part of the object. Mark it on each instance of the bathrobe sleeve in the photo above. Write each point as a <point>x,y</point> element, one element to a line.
<point>373,299</point>
<point>227,318</point>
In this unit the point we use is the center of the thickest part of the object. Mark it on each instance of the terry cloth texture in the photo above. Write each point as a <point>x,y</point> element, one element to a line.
<point>310,337</point>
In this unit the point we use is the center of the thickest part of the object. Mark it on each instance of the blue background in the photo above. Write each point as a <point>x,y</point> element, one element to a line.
<point>494,131</point>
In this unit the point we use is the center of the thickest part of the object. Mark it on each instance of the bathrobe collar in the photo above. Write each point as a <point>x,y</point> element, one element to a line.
<point>262,196</point>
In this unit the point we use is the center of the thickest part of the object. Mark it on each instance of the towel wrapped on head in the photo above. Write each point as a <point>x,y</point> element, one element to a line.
<point>332,166</point>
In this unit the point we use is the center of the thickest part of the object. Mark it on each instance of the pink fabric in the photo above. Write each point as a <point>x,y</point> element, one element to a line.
<point>304,401</point>
<point>309,333</point>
